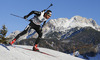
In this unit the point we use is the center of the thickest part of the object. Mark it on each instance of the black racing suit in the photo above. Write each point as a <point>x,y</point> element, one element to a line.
<point>33,25</point>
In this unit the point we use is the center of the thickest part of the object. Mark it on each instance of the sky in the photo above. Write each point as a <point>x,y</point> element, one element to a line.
<point>60,9</point>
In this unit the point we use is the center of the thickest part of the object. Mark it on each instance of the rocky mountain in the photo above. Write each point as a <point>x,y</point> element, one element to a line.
<point>63,24</point>
<point>62,28</point>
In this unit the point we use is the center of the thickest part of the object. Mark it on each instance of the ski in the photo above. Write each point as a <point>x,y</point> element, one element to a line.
<point>5,46</point>
<point>31,50</point>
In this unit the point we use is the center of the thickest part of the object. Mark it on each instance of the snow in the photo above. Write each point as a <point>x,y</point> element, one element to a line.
<point>22,54</point>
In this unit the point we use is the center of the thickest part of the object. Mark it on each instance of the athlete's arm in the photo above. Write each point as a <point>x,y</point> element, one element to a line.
<point>38,13</point>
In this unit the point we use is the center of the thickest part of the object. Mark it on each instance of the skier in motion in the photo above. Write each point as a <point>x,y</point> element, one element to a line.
<point>35,23</point>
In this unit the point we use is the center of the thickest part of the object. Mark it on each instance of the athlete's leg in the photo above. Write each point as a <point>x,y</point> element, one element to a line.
<point>20,34</point>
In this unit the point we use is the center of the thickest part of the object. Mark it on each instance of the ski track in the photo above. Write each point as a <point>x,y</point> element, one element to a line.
<point>22,54</point>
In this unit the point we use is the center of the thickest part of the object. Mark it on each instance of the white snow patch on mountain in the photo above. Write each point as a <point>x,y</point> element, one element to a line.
<point>63,24</point>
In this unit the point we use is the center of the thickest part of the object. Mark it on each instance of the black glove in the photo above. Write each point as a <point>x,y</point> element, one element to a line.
<point>25,17</point>
<point>44,10</point>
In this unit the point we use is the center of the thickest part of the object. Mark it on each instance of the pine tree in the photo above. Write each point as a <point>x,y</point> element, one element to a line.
<point>3,33</point>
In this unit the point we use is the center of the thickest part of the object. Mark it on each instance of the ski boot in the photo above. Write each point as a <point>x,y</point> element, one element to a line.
<point>35,48</point>
<point>10,43</point>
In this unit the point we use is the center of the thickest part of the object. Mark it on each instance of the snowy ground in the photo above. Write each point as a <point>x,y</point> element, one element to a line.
<point>22,54</point>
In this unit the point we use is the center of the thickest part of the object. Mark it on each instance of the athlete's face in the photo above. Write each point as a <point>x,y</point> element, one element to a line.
<point>47,16</point>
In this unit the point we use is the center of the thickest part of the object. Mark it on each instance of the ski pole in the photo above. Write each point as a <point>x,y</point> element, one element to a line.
<point>18,16</point>
<point>49,6</point>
